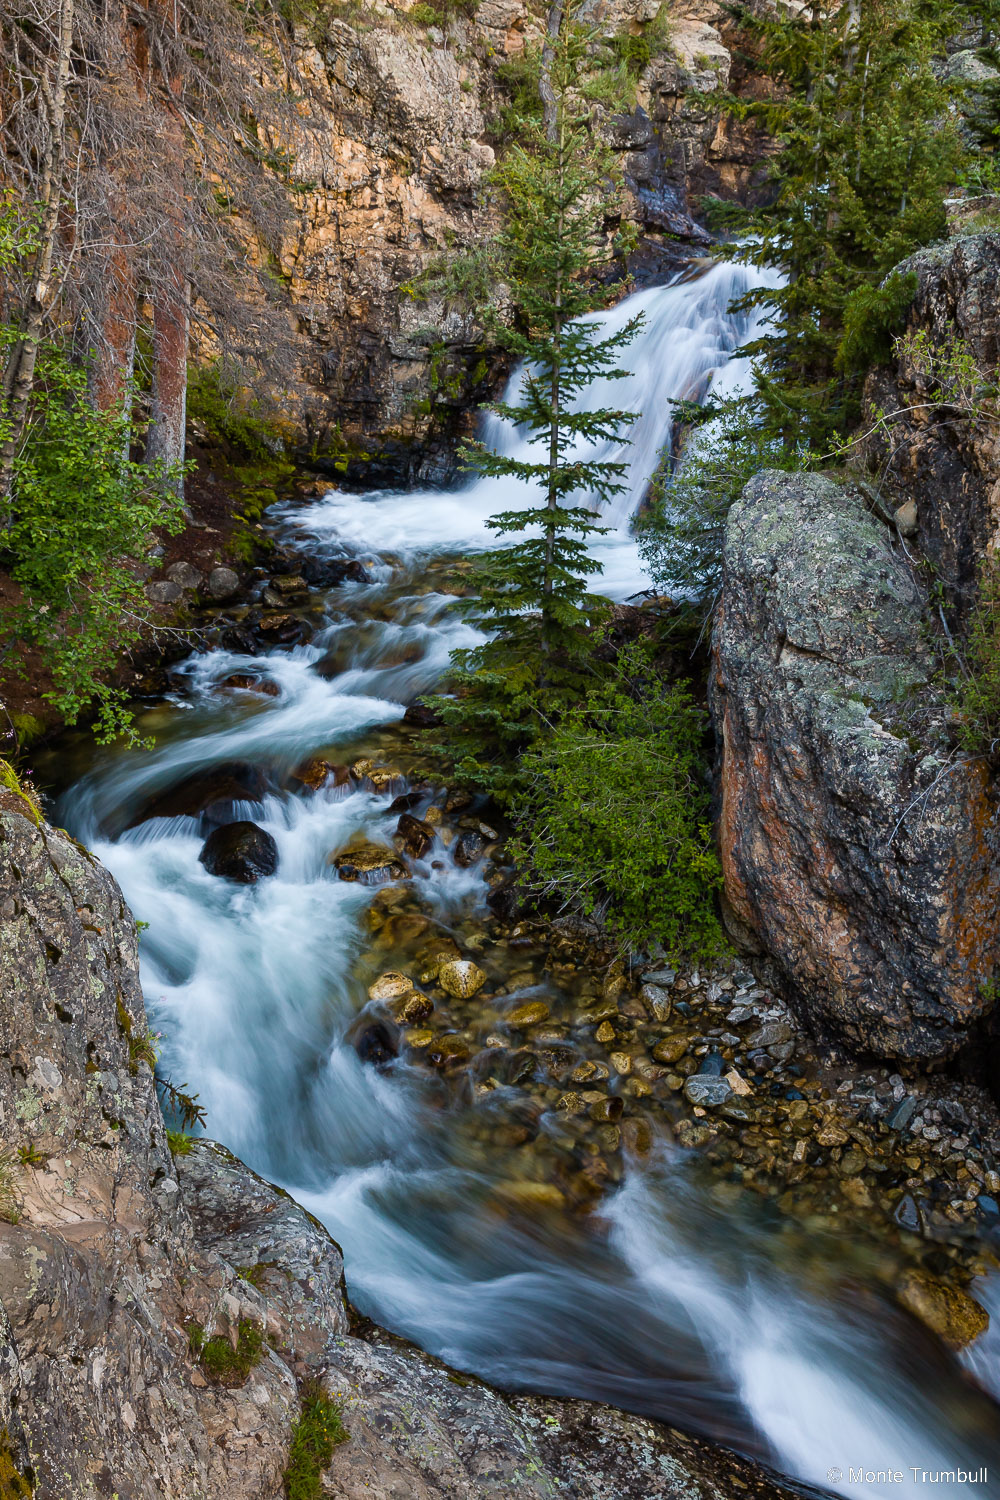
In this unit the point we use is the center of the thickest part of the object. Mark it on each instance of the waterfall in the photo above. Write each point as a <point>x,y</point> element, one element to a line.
<point>682,352</point>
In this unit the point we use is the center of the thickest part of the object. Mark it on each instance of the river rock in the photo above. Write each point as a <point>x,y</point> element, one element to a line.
<point>244,682</point>
<point>468,848</point>
<point>368,862</point>
<point>531,1014</point>
<point>857,847</point>
<point>186,575</point>
<point>950,1312</point>
<point>212,795</point>
<point>390,986</point>
<point>316,773</point>
<point>461,978</point>
<point>707,1089</point>
<point>417,835</point>
<point>240,851</point>
<point>222,584</point>
<point>164,591</point>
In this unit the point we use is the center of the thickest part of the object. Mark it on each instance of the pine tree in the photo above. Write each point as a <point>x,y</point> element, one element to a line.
<point>532,595</point>
<point>871,144</point>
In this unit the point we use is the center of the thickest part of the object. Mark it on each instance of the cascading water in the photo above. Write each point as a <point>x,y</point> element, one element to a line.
<point>677,1299</point>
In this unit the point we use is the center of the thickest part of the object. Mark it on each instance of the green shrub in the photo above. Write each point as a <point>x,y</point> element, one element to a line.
<point>617,813</point>
<point>315,1435</point>
<point>81,509</point>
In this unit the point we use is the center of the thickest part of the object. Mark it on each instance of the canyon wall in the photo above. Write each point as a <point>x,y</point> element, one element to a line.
<point>394,180</point>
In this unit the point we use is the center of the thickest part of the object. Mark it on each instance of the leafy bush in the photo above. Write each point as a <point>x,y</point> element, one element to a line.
<point>314,1437</point>
<point>617,813</point>
<point>80,510</point>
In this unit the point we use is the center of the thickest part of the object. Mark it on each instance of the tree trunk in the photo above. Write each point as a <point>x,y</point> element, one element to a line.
<point>168,412</point>
<point>19,370</point>
<point>111,336</point>
<point>550,106</point>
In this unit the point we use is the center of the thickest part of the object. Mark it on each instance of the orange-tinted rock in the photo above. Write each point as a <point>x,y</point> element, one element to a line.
<point>858,847</point>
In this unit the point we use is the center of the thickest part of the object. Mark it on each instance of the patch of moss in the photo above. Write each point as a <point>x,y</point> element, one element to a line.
<point>10,782</point>
<point>222,1363</point>
<point>13,1484</point>
<point>318,1431</point>
<point>27,727</point>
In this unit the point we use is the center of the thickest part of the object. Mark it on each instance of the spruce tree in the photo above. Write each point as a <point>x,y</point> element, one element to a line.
<point>871,144</point>
<point>532,595</point>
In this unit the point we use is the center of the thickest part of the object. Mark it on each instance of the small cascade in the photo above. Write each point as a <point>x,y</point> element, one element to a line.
<point>671,1299</point>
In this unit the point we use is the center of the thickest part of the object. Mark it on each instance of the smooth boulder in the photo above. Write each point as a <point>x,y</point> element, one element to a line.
<point>241,852</point>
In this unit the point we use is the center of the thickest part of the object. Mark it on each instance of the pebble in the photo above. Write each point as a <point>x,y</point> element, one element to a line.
<point>527,1015</point>
<point>670,1049</point>
<point>902,1114</point>
<point>707,1089</point>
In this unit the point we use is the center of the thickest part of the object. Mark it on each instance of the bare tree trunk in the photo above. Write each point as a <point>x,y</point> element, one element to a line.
<point>168,413</point>
<point>550,106</point>
<point>19,370</point>
<point>111,336</point>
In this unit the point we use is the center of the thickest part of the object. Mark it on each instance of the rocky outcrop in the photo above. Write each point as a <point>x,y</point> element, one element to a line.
<point>928,454</point>
<point>121,1271</point>
<point>859,847</point>
<point>393,180</point>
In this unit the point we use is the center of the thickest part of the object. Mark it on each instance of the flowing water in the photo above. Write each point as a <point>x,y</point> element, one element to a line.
<point>673,1299</point>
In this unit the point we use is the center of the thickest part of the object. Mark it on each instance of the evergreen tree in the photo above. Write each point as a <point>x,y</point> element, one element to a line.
<point>871,144</point>
<point>532,595</point>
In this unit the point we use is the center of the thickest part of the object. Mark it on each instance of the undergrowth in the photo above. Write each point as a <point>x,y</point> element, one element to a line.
<point>318,1431</point>
<point>222,1362</point>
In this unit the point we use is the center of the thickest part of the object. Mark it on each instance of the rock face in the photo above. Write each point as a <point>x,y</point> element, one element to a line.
<point>932,459</point>
<point>393,182</point>
<point>858,847</point>
<point>112,1257</point>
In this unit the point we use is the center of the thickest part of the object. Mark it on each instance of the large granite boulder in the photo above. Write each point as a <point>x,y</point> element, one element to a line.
<point>859,847</point>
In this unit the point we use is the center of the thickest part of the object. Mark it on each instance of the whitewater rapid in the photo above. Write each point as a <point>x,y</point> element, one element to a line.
<point>685,1305</point>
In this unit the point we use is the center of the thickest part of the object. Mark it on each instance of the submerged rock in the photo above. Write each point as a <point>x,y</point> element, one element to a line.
<point>461,978</point>
<point>948,1311</point>
<point>857,846</point>
<point>241,852</point>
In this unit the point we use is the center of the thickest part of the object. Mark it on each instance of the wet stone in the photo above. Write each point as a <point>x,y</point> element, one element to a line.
<point>369,863</point>
<point>461,978</point>
<point>658,1001</point>
<point>417,835</point>
<point>531,1014</point>
<point>671,1049</point>
<point>707,1090</point>
<point>469,848</point>
<point>607,1109</point>
<point>241,852</point>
